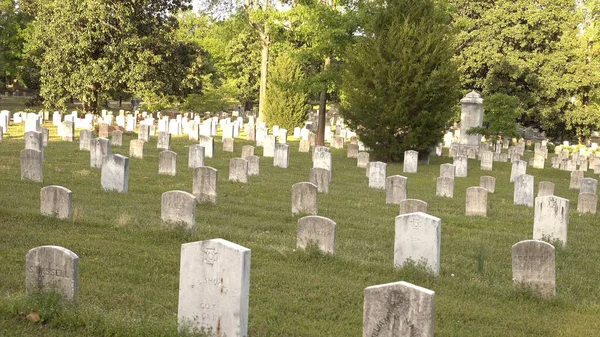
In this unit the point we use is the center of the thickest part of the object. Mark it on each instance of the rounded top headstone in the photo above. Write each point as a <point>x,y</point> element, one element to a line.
<point>473,97</point>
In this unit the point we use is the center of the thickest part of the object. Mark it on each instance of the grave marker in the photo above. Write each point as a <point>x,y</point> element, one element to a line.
<point>411,159</point>
<point>533,266</point>
<point>31,165</point>
<point>56,201</point>
<point>167,163</point>
<point>317,230</point>
<point>179,207</point>
<point>523,190</point>
<point>115,173</point>
<point>52,268</point>
<point>551,219</point>
<point>320,177</point>
<point>377,175</point>
<point>545,188</point>
<point>587,203</point>
<point>412,206</point>
<point>396,189</point>
<point>238,170</point>
<point>444,187</point>
<point>489,183</point>
<point>418,238</point>
<point>205,184</point>
<point>304,198</point>
<point>476,204</point>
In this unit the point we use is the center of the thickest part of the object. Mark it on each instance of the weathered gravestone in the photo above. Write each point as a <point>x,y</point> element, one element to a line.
<point>412,206</point>
<point>115,173</point>
<point>320,177</point>
<point>179,207</point>
<point>587,203</point>
<point>228,144</point>
<point>253,165</point>
<point>304,198</point>
<point>411,160</point>
<point>322,158</point>
<point>476,203</point>
<point>362,159</point>
<point>304,146</point>
<point>444,187</point>
<point>116,138</point>
<point>269,146</point>
<point>588,185</point>
<point>214,287</point>
<point>551,219</point>
<point>31,165</point>
<point>167,163</point>
<point>487,161</point>
<point>533,266</point>
<point>195,156</point>
<point>86,140</point>
<point>519,167</point>
<point>100,148</point>
<point>576,179</point>
<point>489,183</point>
<point>247,150</point>
<point>209,145</point>
<point>56,201</point>
<point>461,166</point>
<point>164,141</point>
<point>396,189</point>
<point>545,188</point>
<point>103,130</point>
<point>68,131</point>
<point>34,141</point>
<point>337,143</point>
<point>317,230</point>
<point>418,239</point>
<point>136,149</point>
<point>238,170</point>
<point>352,151</point>
<point>471,116</point>
<point>281,156</point>
<point>52,268</point>
<point>538,160</point>
<point>447,170</point>
<point>144,132</point>
<point>397,310</point>
<point>377,175</point>
<point>523,190</point>
<point>205,184</point>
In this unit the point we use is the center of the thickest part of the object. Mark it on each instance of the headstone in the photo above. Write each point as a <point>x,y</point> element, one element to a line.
<point>282,156</point>
<point>228,144</point>
<point>588,185</point>
<point>398,309</point>
<point>411,159</point>
<point>115,173</point>
<point>538,160</point>
<point>352,151</point>
<point>205,184</point>
<point>31,165</point>
<point>587,203</point>
<point>269,146</point>
<point>322,158</point>
<point>576,180</point>
<point>417,239</point>
<point>56,201</point>
<point>471,116</point>
<point>519,167</point>
<point>489,183</point>
<point>68,131</point>
<point>533,266</point>
<point>304,198</point>
<point>253,165</point>
<point>320,177</point>
<point>377,175</point>
<point>396,189</point>
<point>100,148</point>
<point>304,146</point>
<point>363,159</point>
<point>117,138</point>
<point>444,187</point>
<point>86,140</point>
<point>214,287</point>
<point>337,143</point>
<point>52,268</point>
<point>34,141</point>
<point>476,204</point>
<point>136,149</point>
<point>317,230</point>
<point>447,170</point>
<point>487,161</point>
<point>209,144</point>
<point>247,150</point>
<point>545,188</point>
<point>551,219</point>
<point>195,156</point>
<point>179,207</point>
<point>144,133</point>
<point>164,141</point>
<point>167,163</point>
<point>412,206</point>
<point>282,136</point>
<point>461,166</point>
<point>238,170</point>
<point>523,190</point>
<point>251,132</point>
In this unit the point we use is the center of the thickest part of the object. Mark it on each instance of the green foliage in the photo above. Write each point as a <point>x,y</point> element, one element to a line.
<point>286,103</point>
<point>213,98</point>
<point>400,84</point>
<point>500,117</point>
<point>13,24</point>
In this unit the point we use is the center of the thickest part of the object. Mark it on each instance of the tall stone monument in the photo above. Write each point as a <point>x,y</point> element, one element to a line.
<point>471,116</point>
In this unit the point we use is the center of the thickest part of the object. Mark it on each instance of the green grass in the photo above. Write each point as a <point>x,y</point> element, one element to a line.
<point>129,267</point>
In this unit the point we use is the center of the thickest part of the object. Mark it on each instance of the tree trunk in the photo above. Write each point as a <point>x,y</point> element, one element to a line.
<point>323,109</point>
<point>264,70</point>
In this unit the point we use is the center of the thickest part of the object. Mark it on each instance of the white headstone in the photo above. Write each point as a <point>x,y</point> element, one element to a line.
<point>551,219</point>
<point>418,239</point>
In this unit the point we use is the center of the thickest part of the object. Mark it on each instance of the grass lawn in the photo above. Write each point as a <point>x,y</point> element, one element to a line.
<point>129,263</point>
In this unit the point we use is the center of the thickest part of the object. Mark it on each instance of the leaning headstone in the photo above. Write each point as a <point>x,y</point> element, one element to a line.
<point>117,138</point>
<point>576,179</point>
<point>519,167</point>
<point>533,266</point>
<point>444,187</point>
<point>523,190</point>
<point>195,156</point>
<point>56,201</point>
<point>209,144</point>
<point>179,207</point>
<point>164,141</point>
<point>136,149</point>
<point>253,165</point>
<point>363,159</point>
<point>320,177</point>
<point>398,309</point>
<point>52,268</point>
<point>100,148</point>
<point>377,175</point>
<point>238,170</point>
<point>551,219</point>
<point>214,287</point>
<point>587,203</point>
<point>247,150</point>
<point>417,239</point>
<point>447,170</point>
<point>489,183</point>
<point>317,230</point>
<point>115,173</point>
<point>588,185</point>
<point>412,206</point>
<point>31,165</point>
<point>461,166</point>
<point>545,188</point>
<point>86,139</point>
<point>476,201</point>
<point>228,144</point>
<point>205,184</point>
<point>396,189</point>
<point>269,146</point>
<point>167,163</point>
<point>411,159</point>
<point>304,198</point>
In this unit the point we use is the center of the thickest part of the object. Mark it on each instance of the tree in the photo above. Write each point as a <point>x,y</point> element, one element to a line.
<point>86,47</point>
<point>500,117</point>
<point>400,83</point>
<point>286,104</point>
<point>13,22</point>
